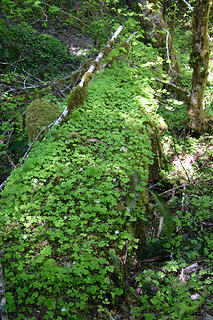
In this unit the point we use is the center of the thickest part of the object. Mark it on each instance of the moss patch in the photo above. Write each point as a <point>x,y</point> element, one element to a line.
<point>77,97</point>
<point>40,113</point>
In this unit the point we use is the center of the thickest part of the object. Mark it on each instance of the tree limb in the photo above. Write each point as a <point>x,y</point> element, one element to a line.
<point>90,71</point>
<point>167,49</point>
<point>190,7</point>
<point>181,93</point>
<point>59,120</point>
<point>101,54</point>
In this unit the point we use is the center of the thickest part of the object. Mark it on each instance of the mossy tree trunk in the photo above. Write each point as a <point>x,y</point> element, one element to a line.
<point>156,33</point>
<point>199,61</point>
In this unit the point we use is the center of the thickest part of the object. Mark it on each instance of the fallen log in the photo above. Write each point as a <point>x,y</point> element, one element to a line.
<point>75,214</point>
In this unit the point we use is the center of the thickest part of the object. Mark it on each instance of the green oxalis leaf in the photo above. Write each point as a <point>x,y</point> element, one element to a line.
<point>64,209</point>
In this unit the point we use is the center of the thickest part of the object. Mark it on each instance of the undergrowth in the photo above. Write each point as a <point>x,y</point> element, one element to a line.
<point>74,217</point>
<point>41,55</point>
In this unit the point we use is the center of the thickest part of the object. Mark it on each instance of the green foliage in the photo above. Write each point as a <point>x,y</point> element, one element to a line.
<point>74,215</point>
<point>39,113</point>
<point>175,113</point>
<point>166,295</point>
<point>67,218</point>
<point>172,292</point>
<point>5,50</point>
<point>77,97</point>
<point>41,55</point>
<point>166,213</point>
<point>13,139</point>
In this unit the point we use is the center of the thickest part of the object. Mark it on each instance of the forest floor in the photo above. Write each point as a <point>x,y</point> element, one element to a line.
<point>175,277</point>
<point>77,43</point>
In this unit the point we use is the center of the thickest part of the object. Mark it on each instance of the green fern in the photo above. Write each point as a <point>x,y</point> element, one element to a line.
<point>166,213</point>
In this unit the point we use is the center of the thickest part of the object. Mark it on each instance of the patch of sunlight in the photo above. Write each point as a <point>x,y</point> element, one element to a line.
<point>210,77</point>
<point>78,51</point>
<point>149,102</point>
<point>149,64</point>
<point>177,102</point>
<point>184,166</point>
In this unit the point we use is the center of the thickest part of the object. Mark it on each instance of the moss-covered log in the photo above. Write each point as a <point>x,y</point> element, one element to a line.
<point>74,215</point>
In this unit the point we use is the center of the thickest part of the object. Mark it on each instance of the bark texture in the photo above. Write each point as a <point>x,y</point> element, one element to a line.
<point>199,61</point>
<point>156,33</point>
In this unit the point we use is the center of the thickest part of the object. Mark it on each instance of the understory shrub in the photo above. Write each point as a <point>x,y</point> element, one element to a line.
<point>41,55</point>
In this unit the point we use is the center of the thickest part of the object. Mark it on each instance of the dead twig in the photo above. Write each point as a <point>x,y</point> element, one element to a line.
<point>10,161</point>
<point>182,94</point>
<point>171,190</point>
<point>189,6</point>
<point>160,227</point>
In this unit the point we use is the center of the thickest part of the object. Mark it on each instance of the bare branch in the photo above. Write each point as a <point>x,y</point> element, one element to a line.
<point>66,111</point>
<point>61,117</point>
<point>160,227</point>
<point>132,35</point>
<point>10,161</point>
<point>29,74</point>
<point>167,49</point>
<point>190,7</point>
<point>32,144</point>
<point>181,93</point>
<point>2,184</point>
<point>101,54</point>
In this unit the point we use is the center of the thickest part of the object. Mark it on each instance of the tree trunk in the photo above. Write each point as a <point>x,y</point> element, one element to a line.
<point>156,33</point>
<point>199,61</point>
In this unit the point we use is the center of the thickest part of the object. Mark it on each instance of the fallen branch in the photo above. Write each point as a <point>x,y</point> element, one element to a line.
<point>181,93</point>
<point>190,7</point>
<point>101,55</point>
<point>167,49</point>
<point>10,161</point>
<point>171,190</point>
<point>86,77</point>
<point>83,83</point>
<point>160,227</point>
<point>132,35</point>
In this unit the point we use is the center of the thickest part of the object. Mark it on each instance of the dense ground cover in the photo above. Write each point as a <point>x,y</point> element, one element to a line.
<point>80,205</point>
<point>74,215</point>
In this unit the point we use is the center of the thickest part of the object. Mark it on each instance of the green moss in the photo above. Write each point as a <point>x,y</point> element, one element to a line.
<point>107,51</point>
<point>77,97</point>
<point>87,77</point>
<point>120,53</point>
<point>126,46</point>
<point>39,113</point>
<point>74,135</point>
<point>77,75</point>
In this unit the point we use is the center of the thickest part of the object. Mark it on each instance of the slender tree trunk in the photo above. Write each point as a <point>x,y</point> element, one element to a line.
<point>156,32</point>
<point>199,61</point>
